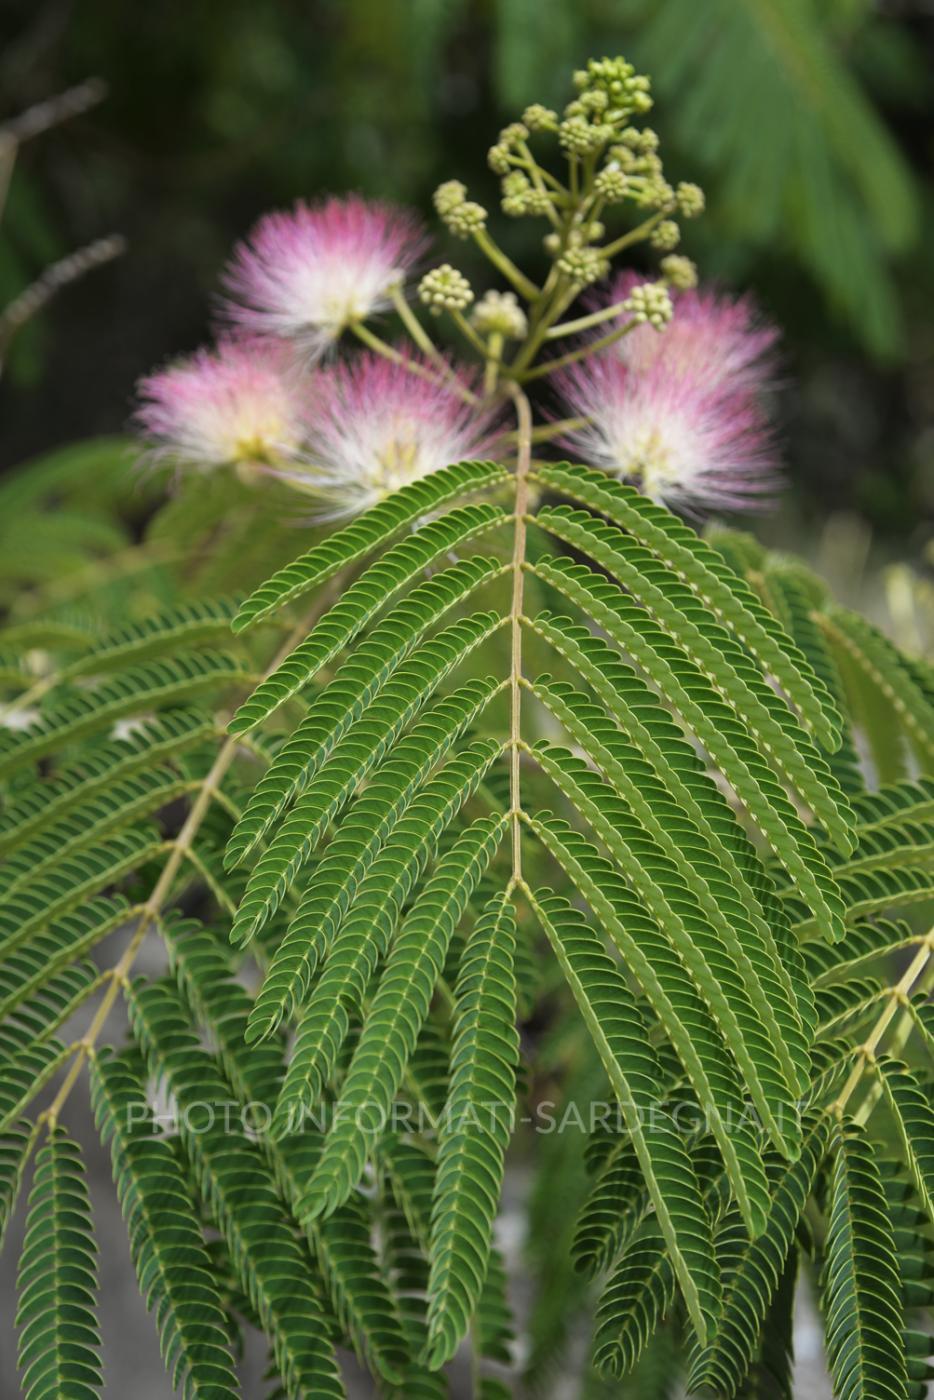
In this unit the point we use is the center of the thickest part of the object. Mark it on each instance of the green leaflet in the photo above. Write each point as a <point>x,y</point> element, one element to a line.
<point>726,740</point>
<point>860,1287</point>
<point>97,772</point>
<point>877,660</point>
<point>397,568</point>
<point>616,1026</point>
<point>703,571</point>
<point>670,991</point>
<point>32,966</point>
<point>788,591</point>
<point>350,758</point>
<point>366,534</point>
<point>723,1364</point>
<point>900,802</point>
<point>172,1265</point>
<point>137,796</point>
<point>134,692</point>
<point>72,882</point>
<point>611,1213</point>
<point>737,680</point>
<point>59,1341</point>
<point>641,716</point>
<point>395,1016</point>
<point>354,846</point>
<point>15,1152</point>
<point>475,1129</point>
<point>341,1245</point>
<point>365,934</point>
<point>164,632</point>
<point>648,802</point>
<point>272,1267</point>
<point>657,883</point>
<point>911,1110</point>
<point>346,698</point>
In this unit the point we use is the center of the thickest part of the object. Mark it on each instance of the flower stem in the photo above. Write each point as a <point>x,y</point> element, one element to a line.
<point>593,348</point>
<point>506,266</point>
<point>636,234</point>
<point>583,323</point>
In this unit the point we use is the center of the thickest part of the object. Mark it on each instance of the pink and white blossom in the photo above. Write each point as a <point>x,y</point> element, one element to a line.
<point>375,426</point>
<point>713,337</point>
<point>680,413</point>
<point>243,402</point>
<point>306,274</point>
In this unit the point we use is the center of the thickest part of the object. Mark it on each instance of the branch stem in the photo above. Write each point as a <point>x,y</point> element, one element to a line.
<point>523,462</point>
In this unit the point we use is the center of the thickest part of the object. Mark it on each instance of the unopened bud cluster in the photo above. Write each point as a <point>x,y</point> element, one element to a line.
<point>613,162</point>
<point>444,288</point>
<point>499,313</point>
<point>650,304</point>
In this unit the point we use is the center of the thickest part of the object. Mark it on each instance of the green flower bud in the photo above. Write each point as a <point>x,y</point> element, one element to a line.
<point>595,101</point>
<point>578,137</point>
<point>499,313</point>
<point>690,199</point>
<point>596,231</point>
<point>657,194</point>
<point>611,184</point>
<point>583,265</point>
<point>650,304</point>
<point>448,196</point>
<point>539,118</point>
<point>444,289</point>
<point>466,218</point>
<point>665,236</point>
<point>512,134</point>
<point>680,272</point>
<point>515,183</point>
<point>497,159</point>
<point>552,244</point>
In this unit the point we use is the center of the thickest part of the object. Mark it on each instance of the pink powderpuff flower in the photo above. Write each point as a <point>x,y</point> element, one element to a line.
<point>375,426</point>
<point>679,412</point>
<point>243,402</point>
<point>305,275</point>
<point>713,337</point>
<point>676,435</point>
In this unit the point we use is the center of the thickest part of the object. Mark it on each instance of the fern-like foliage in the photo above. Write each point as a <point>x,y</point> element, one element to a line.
<point>513,790</point>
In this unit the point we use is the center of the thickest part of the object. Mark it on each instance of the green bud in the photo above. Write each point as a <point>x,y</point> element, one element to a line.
<point>516,182</point>
<point>464,219</point>
<point>596,231</point>
<point>497,159</point>
<point>611,184</point>
<point>512,134</point>
<point>539,118</point>
<point>499,313</point>
<point>595,101</point>
<point>577,136</point>
<point>583,265</point>
<point>444,289</point>
<point>448,196</point>
<point>650,304</point>
<point>680,272</point>
<point>690,199</point>
<point>552,244</point>
<point>665,236</point>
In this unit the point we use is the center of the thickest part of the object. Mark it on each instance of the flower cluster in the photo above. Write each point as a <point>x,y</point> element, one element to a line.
<point>669,399</point>
<point>681,414</point>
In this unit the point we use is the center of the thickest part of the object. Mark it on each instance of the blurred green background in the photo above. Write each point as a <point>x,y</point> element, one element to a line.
<point>809,122</point>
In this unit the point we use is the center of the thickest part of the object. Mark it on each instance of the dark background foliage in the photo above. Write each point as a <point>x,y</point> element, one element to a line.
<point>808,122</point>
